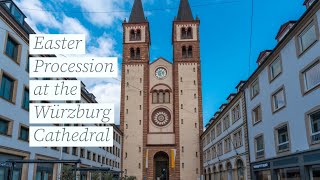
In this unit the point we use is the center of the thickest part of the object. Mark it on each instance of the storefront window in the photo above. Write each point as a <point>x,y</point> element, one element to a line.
<point>263,175</point>
<point>5,170</point>
<point>44,172</point>
<point>240,170</point>
<point>83,176</point>
<point>314,173</point>
<point>289,174</point>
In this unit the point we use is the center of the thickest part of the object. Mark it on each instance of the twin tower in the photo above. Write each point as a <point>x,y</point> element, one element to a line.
<point>161,102</point>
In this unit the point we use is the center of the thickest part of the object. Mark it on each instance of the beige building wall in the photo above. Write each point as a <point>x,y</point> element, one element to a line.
<point>133,120</point>
<point>189,130</point>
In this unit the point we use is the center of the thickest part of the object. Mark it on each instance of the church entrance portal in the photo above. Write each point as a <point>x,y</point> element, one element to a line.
<point>161,166</point>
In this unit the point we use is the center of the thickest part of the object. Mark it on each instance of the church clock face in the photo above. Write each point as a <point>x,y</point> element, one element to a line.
<point>161,73</point>
<point>161,117</point>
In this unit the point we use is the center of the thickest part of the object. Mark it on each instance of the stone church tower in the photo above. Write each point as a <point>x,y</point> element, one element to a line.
<point>161,102</point>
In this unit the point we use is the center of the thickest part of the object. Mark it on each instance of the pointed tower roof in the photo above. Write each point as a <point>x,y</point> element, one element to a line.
<point>137,14</point>
<point>184,13</point>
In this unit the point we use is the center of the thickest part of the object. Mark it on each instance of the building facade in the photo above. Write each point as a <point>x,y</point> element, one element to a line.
<point>283,107</point>
<point>161,111</point>
<point>14,111</point>
<point>280,110</point>
<point>225,145</point>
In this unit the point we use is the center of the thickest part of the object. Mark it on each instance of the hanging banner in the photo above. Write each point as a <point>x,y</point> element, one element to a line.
<point>147,152</point>
<point>173,157</point>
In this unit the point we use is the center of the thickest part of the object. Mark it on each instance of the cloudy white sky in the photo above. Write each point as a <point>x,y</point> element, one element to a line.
<point>224,32</point>
<point>84,17</point>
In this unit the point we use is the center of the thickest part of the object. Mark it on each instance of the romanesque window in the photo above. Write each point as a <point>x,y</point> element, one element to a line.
<point>132,35</point>
<point>187,52</point>
<point>183,33</point>
<point>138,35</point>
<point>135,53</point>
<point>135,35</point>
<point>138,53</point>
<point>167,97</point>
<point>155,97</point>
<point>189,33</point>
<point>186,33</point>
<point>184,52</point>
<point>132,53</point>
<point>190,52</point>
<point>160,96</point>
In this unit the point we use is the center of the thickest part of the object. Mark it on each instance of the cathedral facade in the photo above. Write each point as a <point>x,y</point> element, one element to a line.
<point>161,102</point>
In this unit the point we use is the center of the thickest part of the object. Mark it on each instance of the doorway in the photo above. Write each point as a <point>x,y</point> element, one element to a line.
<point>161,166</point>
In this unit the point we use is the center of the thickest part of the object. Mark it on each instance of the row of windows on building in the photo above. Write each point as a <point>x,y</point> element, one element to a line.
<point>6,128</point>
<point>186,33</point>
<point>228,172</point>
<point>278,99</point>
<point>159,97</point>
<point>116,137</point>
<point>9,84</point>
<point>220,127</point>
<point>310,75</point>
<point>282,136</point>
<point>8,90</point>
<point>224,146</point>
<point>135,53</point>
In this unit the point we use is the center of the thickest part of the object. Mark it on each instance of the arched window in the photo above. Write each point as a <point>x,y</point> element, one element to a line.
<point>132,35</point>
<point>190,52</point>
<point>183,33</point>
<point>240,169</point>
<point>138,54</point>
<point>209,173</point>
<point>220,171</point>
<point>189,33</point>
<point>138,35</point>
<point>132,55</point>
<point>205,174</point>
<point>155,97</point>
<point>215,174</point>
<point>167,97</point>
<point>184,52</point>
<point>161,97</point>
<point>229,171</point>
